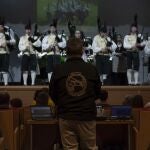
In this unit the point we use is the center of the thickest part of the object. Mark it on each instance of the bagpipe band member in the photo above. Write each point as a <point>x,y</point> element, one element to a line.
<point>87,52</point>
<point>103,47</point>
<point>132,44</point>
<point>147,53</point>
<point>5,40</point>
<point>27,45</point>
<point>51,45</point>
<point>119,63</point>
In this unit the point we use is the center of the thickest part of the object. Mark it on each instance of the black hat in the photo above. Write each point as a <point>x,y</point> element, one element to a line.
<point>135,23</point>
<point>72,29</point>
<point>98,23</point>
<point>28,25</point>
<point>54,23</point>
<point>2,21</point>
<point>103,28</point>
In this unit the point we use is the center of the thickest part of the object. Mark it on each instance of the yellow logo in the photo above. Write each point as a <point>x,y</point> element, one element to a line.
<point>76,84</point>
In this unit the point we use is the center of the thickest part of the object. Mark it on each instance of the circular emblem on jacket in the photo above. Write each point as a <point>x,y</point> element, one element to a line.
<point>76,84</point>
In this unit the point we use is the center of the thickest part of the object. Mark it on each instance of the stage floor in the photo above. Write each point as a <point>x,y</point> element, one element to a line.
<point>116,93</point>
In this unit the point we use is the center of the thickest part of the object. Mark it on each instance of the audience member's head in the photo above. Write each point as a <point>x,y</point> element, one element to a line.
<point>136,101</point>
<point>16,103</point>
<point>4,100</point>
<point>42,98</point>
<point>74,47</point>
<point>128,100</point>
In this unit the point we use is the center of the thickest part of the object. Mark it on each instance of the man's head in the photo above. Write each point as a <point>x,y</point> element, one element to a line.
<point>42,98</point>
<point>119,38</point>
<point>74,47</point>
<point>16,103</point>
<point>78,34</point>
<point>134,29</point>
<point>52,28</point>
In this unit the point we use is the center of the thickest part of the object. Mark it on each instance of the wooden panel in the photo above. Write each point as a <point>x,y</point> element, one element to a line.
<point>6,125</point>
<point>116,93</point>
<point>10,124</point>
<point>144,134</point>
<point>1,143</point>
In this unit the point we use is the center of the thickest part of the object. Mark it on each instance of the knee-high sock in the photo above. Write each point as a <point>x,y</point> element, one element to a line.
<point>103,77</point>
<point>5,77</point>
<point>33,76</point>
<point>129,76</point>
<point>25,77</point>
<point>136,77</point>
<point>49,76</point>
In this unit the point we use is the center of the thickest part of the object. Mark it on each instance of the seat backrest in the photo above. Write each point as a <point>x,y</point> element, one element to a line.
<point>144,133</point>
<point>6,125</point>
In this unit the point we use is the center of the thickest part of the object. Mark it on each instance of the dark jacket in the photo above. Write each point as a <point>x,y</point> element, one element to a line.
<point>74,87</point>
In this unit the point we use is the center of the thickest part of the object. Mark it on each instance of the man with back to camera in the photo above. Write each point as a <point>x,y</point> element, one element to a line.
<point>75,89</point>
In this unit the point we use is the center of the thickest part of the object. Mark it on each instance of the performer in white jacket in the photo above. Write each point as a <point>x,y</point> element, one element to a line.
<point>51,44</point>
<point>6,39</point>
<point>132,44</point>
<point>27,45</point>
<point>103,47</point>
<point>147,53</point>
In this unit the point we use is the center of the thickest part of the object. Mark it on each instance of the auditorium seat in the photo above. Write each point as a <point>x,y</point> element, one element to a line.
<point>144,131</point>
<point>1,143</point>
<point>10,124</point>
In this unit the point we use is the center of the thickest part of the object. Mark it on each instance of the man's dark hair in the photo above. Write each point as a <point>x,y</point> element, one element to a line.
<point>104,95</point>
<point>136,101</point>
<point>74,47</point>
<point>16,103</point>
<point>42,98</point>
<point>40,90</point>
<point>4,100</point>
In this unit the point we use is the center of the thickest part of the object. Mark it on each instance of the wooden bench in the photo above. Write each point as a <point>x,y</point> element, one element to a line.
<point>10,126</point>
<point>1,143</point>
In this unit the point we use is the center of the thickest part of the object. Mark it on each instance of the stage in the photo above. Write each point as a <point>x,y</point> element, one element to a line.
<point>116,93</point>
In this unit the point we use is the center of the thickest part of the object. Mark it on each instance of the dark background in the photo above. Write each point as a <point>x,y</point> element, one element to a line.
<point>18,11</point>
<point>114,12</point>
<point>121,12</point>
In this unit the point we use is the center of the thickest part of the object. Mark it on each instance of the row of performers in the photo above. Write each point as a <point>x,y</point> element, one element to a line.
<point>122,54</point>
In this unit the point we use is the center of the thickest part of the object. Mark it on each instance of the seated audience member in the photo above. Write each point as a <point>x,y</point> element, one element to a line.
<point>42,98</point>
<point>4,100</point>
<point>147,105</point>
<point>136,101</point>
<point>50,102</point>
<point>16,103</point>
<point>104,99</point>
